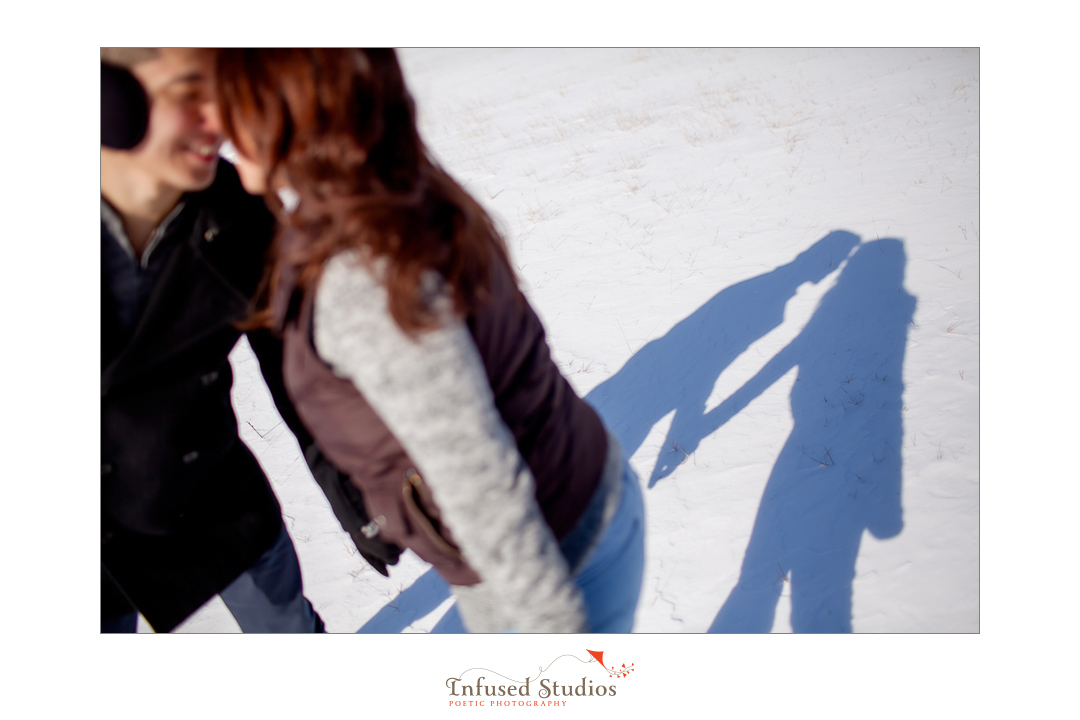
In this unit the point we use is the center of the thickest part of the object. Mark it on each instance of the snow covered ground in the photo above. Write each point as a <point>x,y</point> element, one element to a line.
<point>762,267</point>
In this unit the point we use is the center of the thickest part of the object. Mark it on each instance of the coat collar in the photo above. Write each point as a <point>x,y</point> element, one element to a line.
<point>191,300</point>
<point>111,219</point>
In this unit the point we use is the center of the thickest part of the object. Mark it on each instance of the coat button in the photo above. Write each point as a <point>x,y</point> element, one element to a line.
<point>106,469</point>
<point>106,537</point>
<point>209,377</point>
<point>190,457</point>
<point>211,234</point>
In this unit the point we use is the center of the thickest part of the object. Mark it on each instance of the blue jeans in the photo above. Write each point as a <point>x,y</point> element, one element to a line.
<point>611,578</point>
<point>268,597</point>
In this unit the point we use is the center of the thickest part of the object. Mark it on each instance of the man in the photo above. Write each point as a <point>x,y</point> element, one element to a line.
<point>186,510</point>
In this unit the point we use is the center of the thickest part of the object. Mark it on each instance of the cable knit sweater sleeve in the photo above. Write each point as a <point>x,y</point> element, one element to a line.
<point>432,392</point>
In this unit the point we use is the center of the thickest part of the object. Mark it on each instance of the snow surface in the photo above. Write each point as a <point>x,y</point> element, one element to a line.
<point>762,267</point>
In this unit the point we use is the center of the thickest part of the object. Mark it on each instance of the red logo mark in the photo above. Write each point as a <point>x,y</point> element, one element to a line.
<point>612,671</point>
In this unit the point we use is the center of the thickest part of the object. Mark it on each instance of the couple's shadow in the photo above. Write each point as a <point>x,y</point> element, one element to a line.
<point>839,471</point>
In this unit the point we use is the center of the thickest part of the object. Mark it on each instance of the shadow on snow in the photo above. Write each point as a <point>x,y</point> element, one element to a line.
<point>838,473</point>
<point>414,603</point>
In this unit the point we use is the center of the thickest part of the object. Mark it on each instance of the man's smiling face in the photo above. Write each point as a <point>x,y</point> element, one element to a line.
<point>180,150</point>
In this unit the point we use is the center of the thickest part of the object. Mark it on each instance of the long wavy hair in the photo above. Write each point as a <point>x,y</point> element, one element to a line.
<point>338,127</point>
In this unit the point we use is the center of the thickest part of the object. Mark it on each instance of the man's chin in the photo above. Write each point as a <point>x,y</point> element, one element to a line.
<point>200,178</point>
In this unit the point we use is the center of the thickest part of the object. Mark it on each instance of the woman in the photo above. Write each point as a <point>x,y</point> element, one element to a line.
<point>415,360</point>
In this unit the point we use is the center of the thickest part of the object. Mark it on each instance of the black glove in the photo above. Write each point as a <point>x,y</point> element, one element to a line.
<point>348,505</point>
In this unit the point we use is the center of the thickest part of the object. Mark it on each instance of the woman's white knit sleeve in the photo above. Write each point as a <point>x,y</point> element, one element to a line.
<point>433,394</point>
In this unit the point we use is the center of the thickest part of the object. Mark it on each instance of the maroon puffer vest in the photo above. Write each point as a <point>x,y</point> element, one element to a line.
<point>560,437</point>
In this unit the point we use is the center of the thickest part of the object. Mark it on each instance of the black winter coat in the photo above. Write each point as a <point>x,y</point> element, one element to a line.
<point>185,507</point>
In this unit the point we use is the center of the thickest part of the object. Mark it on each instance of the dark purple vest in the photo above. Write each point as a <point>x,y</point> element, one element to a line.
<point>560,437</point>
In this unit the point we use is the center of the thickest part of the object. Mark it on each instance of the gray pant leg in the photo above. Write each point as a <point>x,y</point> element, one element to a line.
<point>269,596</point>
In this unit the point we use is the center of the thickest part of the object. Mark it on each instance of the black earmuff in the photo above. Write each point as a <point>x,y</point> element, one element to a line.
<point>125,109</point>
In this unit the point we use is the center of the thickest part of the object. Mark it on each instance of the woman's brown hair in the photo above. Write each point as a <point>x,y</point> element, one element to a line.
<point>338,126</point>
